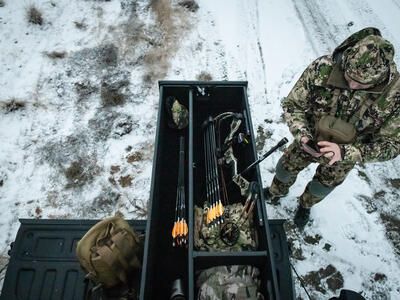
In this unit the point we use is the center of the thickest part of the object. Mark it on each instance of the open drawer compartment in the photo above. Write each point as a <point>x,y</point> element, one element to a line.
<point>163,263</point>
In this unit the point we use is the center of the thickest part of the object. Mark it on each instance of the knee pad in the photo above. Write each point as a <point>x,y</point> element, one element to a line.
<point>282,174</point>
<point>319,190</point>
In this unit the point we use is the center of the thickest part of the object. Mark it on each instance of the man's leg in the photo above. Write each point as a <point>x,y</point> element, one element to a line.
<point>325,180</point>
<point>289,165</point>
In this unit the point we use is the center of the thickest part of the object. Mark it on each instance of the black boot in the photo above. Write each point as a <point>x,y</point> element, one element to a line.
<point>302,216</point>
<point>274,200</point>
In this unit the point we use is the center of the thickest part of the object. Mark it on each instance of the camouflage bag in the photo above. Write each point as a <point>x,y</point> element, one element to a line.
<point>178,113</point>
<point>228,283</point>
<point>207,238</point>
<point>109,252</point>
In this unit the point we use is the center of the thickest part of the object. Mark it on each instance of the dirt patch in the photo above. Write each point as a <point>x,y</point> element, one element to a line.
<point>204,76</point>
<point>84,89</point>
<point>134,157</point>
<point>114,89</point>
<point>395,183</point>
<point>368,203</point>
<point>108,55</point>
<point>111,96</point>
<point>325,278</point>
<point>122,126</point>
<point>380,277</point>
<point>102,124</point>
<point>379,195</point>
<point>327,247</point>
<point>115,169</point>
<point>392,225</point>
<point>38,213</point>
<point>106,201</point>
<point>125,181</point>
<point>56,54</point>
<point>80,25</point>
<point>80,172</point>
<point>312,240</point>
<point>295,249</point>
<point>190,5</point>
<point>335,282</point>
<point>376,287</point>
<point>165,36</point>
<point>363,176</point>
<point>34,15</point>
<point>12,105</point>
<point>140,210</point>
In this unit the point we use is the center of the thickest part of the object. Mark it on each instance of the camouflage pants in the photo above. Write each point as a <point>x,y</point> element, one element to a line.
<point>324,181</point>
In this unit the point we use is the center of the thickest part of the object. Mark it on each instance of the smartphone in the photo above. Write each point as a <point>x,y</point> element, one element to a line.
<point>311,148</point>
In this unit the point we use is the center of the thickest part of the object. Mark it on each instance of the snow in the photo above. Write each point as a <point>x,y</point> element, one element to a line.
<point>267,43</point>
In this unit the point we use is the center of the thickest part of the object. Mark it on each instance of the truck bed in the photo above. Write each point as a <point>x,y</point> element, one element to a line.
<point>43,264</point>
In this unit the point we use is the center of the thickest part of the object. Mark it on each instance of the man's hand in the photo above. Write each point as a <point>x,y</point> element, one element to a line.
<point>330,150</point>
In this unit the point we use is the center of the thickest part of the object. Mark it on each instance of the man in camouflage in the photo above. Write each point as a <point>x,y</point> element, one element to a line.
<point>355,92</point>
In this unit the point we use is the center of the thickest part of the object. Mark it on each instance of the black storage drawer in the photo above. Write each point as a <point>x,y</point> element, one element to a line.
<point>162,263</point>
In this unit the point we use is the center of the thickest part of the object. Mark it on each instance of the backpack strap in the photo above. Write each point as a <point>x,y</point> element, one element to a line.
<point>110,259</point>
<point>335,97</point>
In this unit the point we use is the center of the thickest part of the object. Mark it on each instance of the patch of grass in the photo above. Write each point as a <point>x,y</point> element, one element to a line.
<point>394,183</point>
<point>204,76</point>
<point>190,5</point>
<point>79,173</point>
<point>12,105</point>
<point>163,12</point>
<point>115,169</point>
<point>56,54</point>
<point>334,279</point>
<point>134,157</point>
<point>164,41</point>
<point>111,96</point>
<point>125,181</point>
<point>38,212</point>
<point>34,15</point>
<point>106,201</point>
<point>109,55</point>
<point>141,211</point>
<point>392,225</point>
<point>84,88</point>
<point>363,176</point>
<point>380,277</point>
<point>312,240</point>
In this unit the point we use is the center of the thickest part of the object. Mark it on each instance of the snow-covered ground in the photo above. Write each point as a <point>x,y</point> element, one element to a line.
<point>78,104</point>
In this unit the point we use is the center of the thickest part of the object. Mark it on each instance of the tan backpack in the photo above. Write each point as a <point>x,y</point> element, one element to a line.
<point>109,252</point>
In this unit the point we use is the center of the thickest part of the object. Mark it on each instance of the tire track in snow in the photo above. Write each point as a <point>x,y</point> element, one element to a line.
<point>256,26</point>
<point>310,15</point>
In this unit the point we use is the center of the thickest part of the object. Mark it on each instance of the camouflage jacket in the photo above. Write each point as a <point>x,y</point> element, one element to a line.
<point>378,128</point>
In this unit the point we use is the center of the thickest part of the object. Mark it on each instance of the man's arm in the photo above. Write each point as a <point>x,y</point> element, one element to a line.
<point>297,103</point>
<point>385,145</point>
